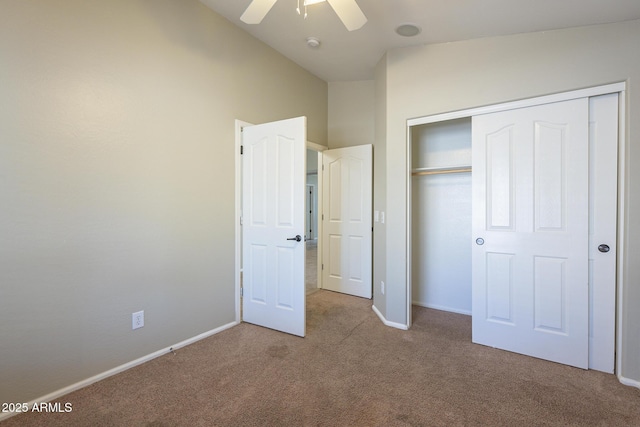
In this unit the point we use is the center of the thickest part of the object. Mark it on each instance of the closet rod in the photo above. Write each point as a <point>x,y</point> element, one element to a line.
<point>441,171</point>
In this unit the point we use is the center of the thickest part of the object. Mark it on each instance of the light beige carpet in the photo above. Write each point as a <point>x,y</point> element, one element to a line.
<point>350,370</point>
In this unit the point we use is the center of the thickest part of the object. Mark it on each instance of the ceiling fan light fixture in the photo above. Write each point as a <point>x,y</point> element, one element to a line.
<point>408,30</point>
<point>347,10</point>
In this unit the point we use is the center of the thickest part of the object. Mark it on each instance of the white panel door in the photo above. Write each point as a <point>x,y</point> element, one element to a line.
<point>530,225</point>
<point>347,233</point>
<point>273,249</point>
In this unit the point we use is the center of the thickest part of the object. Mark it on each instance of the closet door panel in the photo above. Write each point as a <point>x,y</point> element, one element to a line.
<point>603,175</point>
<point>499,283</point>
<point>550,176</point>
<point>545,163</point>
<point>500,200</point>
<point>549,289</point>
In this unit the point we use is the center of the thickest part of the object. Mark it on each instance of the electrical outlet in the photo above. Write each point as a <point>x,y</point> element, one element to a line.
<point>382,287</point>
<point>137,320</point>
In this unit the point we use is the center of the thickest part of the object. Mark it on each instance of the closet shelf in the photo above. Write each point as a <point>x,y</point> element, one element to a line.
<point>440,170</point>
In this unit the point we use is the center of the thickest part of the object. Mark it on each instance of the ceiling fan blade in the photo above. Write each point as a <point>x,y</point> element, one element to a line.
<point>349,13</point>
<point>256,11</point>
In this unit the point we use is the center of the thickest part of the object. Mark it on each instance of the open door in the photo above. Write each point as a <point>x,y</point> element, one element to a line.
<point>273,248</point>
<point>346,232</point>
<point>530,231</point>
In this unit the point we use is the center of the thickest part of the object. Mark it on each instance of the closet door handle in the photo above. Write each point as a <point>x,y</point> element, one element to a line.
<point>479,241</point>
<point>298,238</point>
<point>604,248</point>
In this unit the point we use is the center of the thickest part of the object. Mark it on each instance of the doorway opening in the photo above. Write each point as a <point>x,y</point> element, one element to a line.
<point>313,261</point>
<point>280,186</point>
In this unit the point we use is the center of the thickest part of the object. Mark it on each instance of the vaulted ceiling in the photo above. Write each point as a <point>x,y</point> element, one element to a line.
<point>346,56</point>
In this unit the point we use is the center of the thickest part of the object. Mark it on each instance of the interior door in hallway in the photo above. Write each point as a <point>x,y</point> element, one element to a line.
<point>530,230</point>
<point>347,220</point>
<point>274,188</point>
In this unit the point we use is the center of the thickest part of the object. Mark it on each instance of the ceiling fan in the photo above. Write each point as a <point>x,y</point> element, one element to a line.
<point>347,10</point>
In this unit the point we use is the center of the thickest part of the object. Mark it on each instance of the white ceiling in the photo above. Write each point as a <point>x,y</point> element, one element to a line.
<point>347,56</point>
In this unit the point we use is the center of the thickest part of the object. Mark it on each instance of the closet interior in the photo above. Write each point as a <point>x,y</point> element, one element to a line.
<point>441,215</point>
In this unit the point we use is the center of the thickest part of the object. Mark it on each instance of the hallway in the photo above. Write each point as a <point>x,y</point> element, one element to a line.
<point>311,267</point>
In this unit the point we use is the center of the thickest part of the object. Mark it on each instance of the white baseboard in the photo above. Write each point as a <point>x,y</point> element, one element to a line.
<point>118,369</point>
<point>441,307</point>
<point>629,381</point>
<point>388,323</point>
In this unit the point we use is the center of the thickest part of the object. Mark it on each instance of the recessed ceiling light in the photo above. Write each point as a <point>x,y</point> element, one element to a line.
<point>408,30</point>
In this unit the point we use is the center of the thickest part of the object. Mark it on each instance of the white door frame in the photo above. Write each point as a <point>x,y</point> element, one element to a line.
<point>582,93</point>
<point>239,124</point>
<point>319,193</point>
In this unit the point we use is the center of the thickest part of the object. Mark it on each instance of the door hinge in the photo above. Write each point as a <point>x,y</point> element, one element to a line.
<point>242,149</point>
<point>241,291</point>
<point>241,220</point>
<point>322,267</point>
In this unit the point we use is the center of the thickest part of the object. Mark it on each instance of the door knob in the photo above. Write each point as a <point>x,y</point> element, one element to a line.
<point>479,241</point>
<point>604,248</point>
<point>298,238</point>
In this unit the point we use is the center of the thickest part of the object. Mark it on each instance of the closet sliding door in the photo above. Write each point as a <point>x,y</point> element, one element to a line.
<point>542,236</point>
<point>530,231</point>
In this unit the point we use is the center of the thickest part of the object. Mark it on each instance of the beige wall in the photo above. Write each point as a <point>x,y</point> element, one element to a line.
<point>380,185</point>
<point>351,113</point>
<point>433,79</point>
<point>116,177</point>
